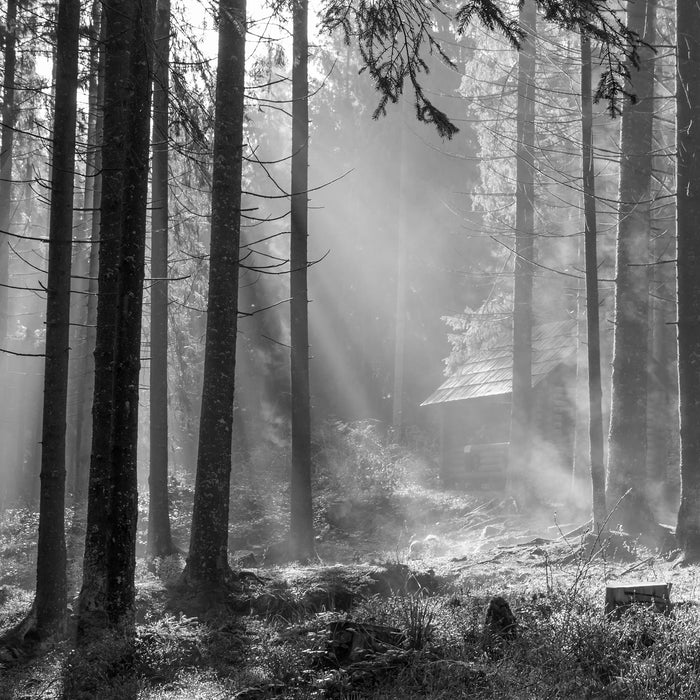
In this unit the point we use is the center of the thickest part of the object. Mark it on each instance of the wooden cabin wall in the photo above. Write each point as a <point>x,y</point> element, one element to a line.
<point>486,421</point>
<point>472,422</point>
<point>555,416</point>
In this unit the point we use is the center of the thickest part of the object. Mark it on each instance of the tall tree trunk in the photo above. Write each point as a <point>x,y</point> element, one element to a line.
<point>108,592</point>
<point>7,136</point>
<point>581,452</point>
<point>51,553</point>
<point>397,396</point>
<point>595,393</point>
<point>160,542</point>
<point>47,616</point>
<point>95,594</point>
<point>662,431</point>
<point>207,564</point>
<point>520,452</point>
<point>86,391</point>
<point>88,301</point>
<point>628,424</point>
<point>688,257</point>
<point>301,526</point>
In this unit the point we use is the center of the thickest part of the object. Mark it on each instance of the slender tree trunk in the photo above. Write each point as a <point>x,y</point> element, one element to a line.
<point>51,555</point>
<point>207,564</point>
<point>628,417</point>
<point>160,542</point>
<point>50,601</point>
<point>88,301</point>
<point>688,203</point>
<point>595,392</point>
<point>397,396</point>
<point>582,419</point>
<point>7,134</point>
<point>301,527</point>
<point>6,152</point>
<point>520,452</point>
<point>108,592</point>
<point>662,452</point>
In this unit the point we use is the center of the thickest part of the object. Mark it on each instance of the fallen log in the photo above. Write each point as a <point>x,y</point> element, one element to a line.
<point>352,640</point>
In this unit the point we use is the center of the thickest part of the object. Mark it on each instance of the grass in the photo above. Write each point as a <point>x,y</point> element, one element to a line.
<point>409,618</point>
<point>565,647</point>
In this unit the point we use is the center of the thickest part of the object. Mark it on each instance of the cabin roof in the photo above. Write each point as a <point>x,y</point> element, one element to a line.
<point>490,372</point>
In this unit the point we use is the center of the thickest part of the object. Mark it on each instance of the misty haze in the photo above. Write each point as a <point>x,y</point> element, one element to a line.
<point>349,349</point>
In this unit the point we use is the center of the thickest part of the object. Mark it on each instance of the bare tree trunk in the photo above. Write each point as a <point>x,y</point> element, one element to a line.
<point>582,421</point>
<point>50,602</point>
<point>301,526</point>
<point>95,594</point>
<point>595,393</point>
<point>7,136</point>
<point>6,152</point>
<point>628,417</point>
<point>397,397</point>
<point>160,542</point>
<point>91,203</point>
<point>207,564</point>
<point>688,202</point>
<point>108,592</point>
<point>662,452</point>
<point>520,452</point>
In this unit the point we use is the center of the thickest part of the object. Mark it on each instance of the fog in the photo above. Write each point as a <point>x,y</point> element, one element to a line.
<point>376,184</point>
<point>21,367</point>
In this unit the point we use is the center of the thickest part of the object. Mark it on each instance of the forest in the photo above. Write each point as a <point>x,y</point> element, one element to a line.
<point>352,349</point>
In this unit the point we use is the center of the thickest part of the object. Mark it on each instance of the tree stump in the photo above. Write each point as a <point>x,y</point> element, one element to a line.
<point>620,597</point>
<point>500,621</point>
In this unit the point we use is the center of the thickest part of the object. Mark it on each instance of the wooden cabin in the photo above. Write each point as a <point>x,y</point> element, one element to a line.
<point>473,410</point>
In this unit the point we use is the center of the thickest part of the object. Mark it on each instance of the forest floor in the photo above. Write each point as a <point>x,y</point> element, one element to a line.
<point>365,621</point>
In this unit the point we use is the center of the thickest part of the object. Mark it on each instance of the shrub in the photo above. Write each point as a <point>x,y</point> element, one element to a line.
<point>18,536</point>
<point>357,473</point>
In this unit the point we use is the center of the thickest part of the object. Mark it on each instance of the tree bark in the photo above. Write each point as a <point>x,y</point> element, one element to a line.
<point>207,564</point>
<point>662,429</point>
<point>51,553</point>
<point>301,526</point>
<point>688,215</point>
<point>7,136</point>
<point>520,452</point>
<point>595,393</point>
<point>88,315</point>
<point>628,416</point>
<point>160,542</point>
<point>108,592</point>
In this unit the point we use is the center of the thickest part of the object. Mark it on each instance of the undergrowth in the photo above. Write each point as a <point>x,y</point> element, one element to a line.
<point>334,632</point>
<point>565,648</point>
